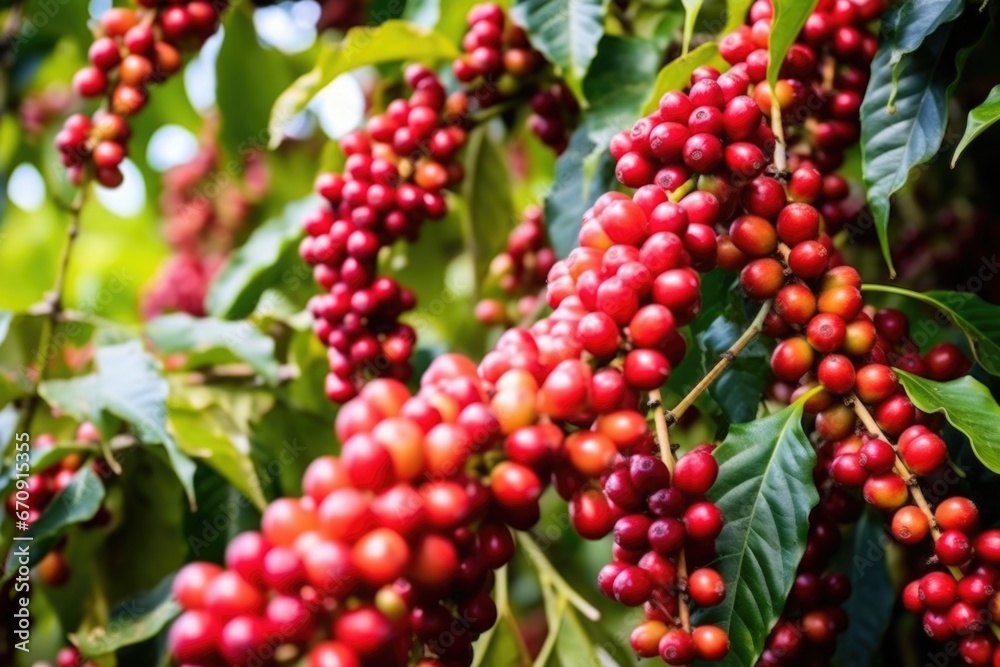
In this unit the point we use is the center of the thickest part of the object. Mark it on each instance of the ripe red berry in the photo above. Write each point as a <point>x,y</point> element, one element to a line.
<point>875,383</point>
<point>710,642</point>
<point>515,485</point>
<point>792,358</point>
<point>702,152</point>
<point>677,647</point>
<point>753,235</point>
<point>695,473</point>
<point>836,373</point>
<point>886,491</point>
<point>923,454</point>
<point>937,590</point>
<point>877,456</point>
<point>591,514</point>
<point>706,587</point>
<point>703,521</point>
<point>957,513</point>
<point>632,586</point>
<point>909,525</point>
<point>646,369</point>
<point>953,547</point>
<point>193,637</point>
<point>762,278</point>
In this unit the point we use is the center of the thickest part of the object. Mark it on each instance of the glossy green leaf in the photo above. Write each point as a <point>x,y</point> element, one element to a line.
<point>739,390</point>
<point>128,385</point>
<point>736,14</point>
<point>980,119</point>
<point>967,405</point>
<point>391,41</point>
<point>131,622</point>
<point>77,502</point>
<point>789,18</point>
<point>209,434</point>
<point>619,82</point>
<point>489,209</point>
<point>208,341</point>
<point>978,319</point>
<point>765,491</point>
<point>864,560</point>
<point>906,25</point>
<point>565,31</point>
<point>676,75</point>
<point>902,123</point>
<point>267,258</point>
<point>574,191</point>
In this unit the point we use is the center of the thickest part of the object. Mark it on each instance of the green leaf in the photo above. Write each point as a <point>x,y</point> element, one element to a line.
<point>489,209</point>
<point>209,434</point>
<point>978,319</point>
<point>872,592</point>
<point>789,18</point>
<point>207,341</point>
<point>739,390</point>
<point>909,132</point>
<point>676,74</point>
<point>765,491</point>
<point>618,83</point>
<point>905,27</point>
<point>127,385</point>
<point>691,9</point>
<point>267,258</point>
<point>967,404</point>
<point>77,502</point>
<point>565,31</point>
<point>736,13</point>
<point>392,41</point>
<point>131,622</point>
<point>574,191</point>
<point>244,107</point>
<point>980,120</point>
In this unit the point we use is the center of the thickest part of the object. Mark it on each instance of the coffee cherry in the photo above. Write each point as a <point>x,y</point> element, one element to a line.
<point>646,369</point>
<point>836,373</point>
<point>193,637</point>
<point>753,235</point>
<point>797,223</point>
<point>877,456</point>
<point>695,473</point>
<point>886,491</point>
<point>923,454</point>
<point>703,521</point>
<point>826,332</point>
<point>590,514</point>
<point>937,590</point>
<point>645,638</point>
<point>762,278</point>
<point>702,153</point>
<point>677,647</point>
<point>808,259</point>
<point>792,358</point>
<point>710,642</point>
<point>953,547</point>
<point>632,586</point>
<point>957,513</point>
<point>875,383</point>
<point>706,587</point>
<point>909,525</point>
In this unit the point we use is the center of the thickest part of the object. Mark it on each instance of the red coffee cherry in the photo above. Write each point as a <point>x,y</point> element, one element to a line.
<point>875,383</point>
<point>836,373</point>
<point>753,235</point>
<point>706,587</point>
<point>762,278</point>
<point>937,590</point>
<point>590,514</point>
<point>792,358</point>
<point>909,525</point>
<point>826,332</point>
<point>957,513</point>
<point>953,547</point>
<point>695,473</point>
<point>645,638</point>
<point>632,586</point>
<point>886,491</point>
<point>703,521</point>
<point>710,642</point>
<point>677,647</point>
<point>796,304</point>
<point>702,153</point>
<point>877,456</point>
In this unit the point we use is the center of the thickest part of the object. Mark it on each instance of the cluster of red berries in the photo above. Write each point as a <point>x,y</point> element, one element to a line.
<point>394,179</point>
<point>40,488</point>
<point>398,522</point>
<point>499,62</point>
<point>203,216</point>
<point>135,49</point>
<point>520,270</point>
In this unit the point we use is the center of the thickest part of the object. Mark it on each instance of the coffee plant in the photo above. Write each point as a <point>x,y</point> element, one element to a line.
<point>479,334</point>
